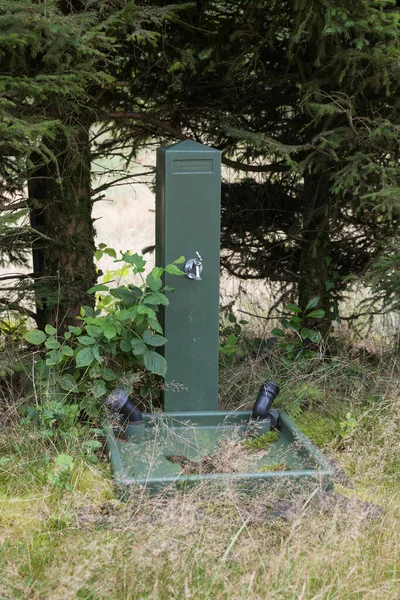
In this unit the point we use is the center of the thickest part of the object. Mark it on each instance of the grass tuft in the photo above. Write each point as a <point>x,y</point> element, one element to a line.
<point>261,442</point>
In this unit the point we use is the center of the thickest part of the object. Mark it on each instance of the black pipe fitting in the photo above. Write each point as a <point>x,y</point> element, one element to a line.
<point>267,394</point>
<point>274,416</point>
<point>118,401</point>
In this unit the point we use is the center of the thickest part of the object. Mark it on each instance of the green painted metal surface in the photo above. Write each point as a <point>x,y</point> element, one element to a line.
<point>188,200</point>
<point>195,435</point>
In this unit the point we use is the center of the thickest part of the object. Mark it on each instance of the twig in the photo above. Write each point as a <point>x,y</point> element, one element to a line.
<point>258,316</point>
<point>21,309</point>
<point>113,183</point>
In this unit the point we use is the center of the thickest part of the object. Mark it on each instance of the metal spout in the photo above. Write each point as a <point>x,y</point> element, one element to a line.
<point>194,268</point>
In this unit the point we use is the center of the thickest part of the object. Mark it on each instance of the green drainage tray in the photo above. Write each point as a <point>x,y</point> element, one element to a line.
<point>175,449</point>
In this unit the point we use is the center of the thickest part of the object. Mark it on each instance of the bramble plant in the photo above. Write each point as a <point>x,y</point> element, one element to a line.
<point>231,334</point>
<point>119,336</point>
<point>295,338</point>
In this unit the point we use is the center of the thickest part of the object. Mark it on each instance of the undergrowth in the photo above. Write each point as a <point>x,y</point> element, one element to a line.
<point>64,535</point>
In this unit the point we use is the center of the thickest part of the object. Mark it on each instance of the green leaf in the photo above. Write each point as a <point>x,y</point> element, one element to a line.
<point>316,314</point>
<point>179,260</point>
<point>109,375</point>
<point>100,287</point>
<point>305,333</point>
<point>93,331</point>
<point>155,363</point>
<point>35,337</point>
<point>129,296</point>
<point>293,308</point>
<point>153,283</point>
<point>135,290</point>
<point>315,336</point>
<point>139,320</point>
<point>138,346</point>
<point>231,340</point>
<point>278,332</point>
<point>99,388</point>
<point>87,311</point>
<point>52,343</point>
<point>96,353</point>
<point>125,346</point>
<point>110,252</point>
<point>85,357</point>
<point>294,320</point>
<point>350,277</point>
<point>146,310</point>
<point>157,272</point>
<point>75,330</point>
<point>91,445</point>
<point>127,314</point>
<point>67,335</point>
<point>136,260</point>
<point>109,331</point>
<point>312,303</point>
<point>50,330</point>
<point>68,383</point>
<point>94,371</point>
<point>98,254</point>
<point>64,460</point>
<point>154,324</point>
<point>67,351</point>
<point>54,357</point>
<point>173,270</point>
<point>85,340</point>
<point>329,286</point>
<point>156,298</point>
<point>153,340</point>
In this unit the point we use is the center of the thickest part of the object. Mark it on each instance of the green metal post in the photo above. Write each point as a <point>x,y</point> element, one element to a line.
<point>188,202</point>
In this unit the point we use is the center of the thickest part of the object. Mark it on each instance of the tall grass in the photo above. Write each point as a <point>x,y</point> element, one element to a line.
<point>80,542</point>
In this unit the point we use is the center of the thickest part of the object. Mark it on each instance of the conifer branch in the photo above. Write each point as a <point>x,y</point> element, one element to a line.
<point>151,120</point>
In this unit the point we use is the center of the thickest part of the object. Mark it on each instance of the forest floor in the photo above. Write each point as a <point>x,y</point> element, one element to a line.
<point>64,534</point>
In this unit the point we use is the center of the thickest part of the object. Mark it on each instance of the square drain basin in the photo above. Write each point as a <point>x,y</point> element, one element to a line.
<point>294,461</point>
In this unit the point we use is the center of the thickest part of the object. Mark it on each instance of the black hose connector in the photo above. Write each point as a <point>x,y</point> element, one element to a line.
<point>118,401</point>
<point>273,415</point>
<point>267,394</point>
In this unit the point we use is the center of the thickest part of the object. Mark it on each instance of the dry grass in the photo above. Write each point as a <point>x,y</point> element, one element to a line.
<point>85,544</point>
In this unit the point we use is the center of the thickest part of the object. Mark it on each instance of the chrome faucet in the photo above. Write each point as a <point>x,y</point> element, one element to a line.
<point>194,268</point>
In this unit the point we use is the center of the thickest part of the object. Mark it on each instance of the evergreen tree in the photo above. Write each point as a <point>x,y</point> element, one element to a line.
<point>302,96</point>
<point>58,59</point>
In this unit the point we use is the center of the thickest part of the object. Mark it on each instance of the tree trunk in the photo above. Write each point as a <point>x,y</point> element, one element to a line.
<point>315,248</point>
<point>61,211</point>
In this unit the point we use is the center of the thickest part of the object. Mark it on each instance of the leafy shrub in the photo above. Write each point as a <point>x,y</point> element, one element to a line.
<point>118,338</point>
<point>295,339</point>
<point>230,334</point>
